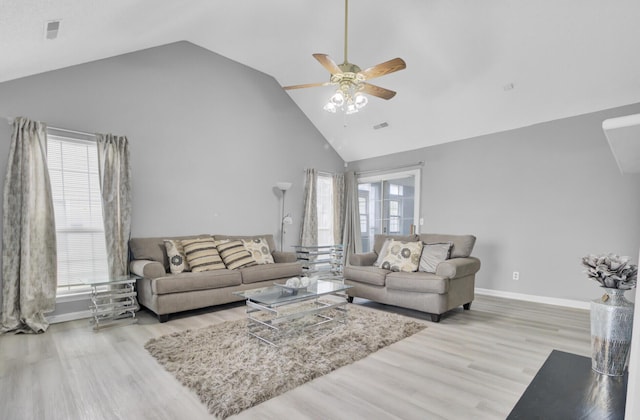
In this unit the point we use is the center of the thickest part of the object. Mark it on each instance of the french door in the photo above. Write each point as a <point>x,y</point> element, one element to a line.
<point>388,204</point>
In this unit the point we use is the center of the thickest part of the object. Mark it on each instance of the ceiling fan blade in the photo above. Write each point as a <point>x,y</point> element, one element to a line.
<point>328,63</point>
<point>378,91</point>
<point>384,68</point>
<point>308,85</point>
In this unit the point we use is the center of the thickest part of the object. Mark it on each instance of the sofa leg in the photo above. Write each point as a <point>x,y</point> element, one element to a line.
<point>163,318</point>
<point>435,317</point>
<point>350,299</point>
<point>467,306</point>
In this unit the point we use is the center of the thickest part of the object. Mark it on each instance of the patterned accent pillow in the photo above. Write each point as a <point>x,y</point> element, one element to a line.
<point>202,254</point>
<point>235,255</point>
<point>402,256</point>
<point>259,250</point>
<point>383,253</point>
<point>434,254</point>
<point>177,259</point>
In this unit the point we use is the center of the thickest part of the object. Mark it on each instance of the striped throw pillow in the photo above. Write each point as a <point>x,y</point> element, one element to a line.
<point>235,255</point>
<point>202,254</point>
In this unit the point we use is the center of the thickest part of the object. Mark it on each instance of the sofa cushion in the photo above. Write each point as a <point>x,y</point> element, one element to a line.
<point>235,255</point>
<point>153,249</point>
<point>259,250</point>
<point>177,260</point>
<point>434,254</point>
<point>402,256</point>
<point>378,240</point>
<point>202,255</point>
<point>365,259</point>
<point>366,274</point>
<point>275,271</point>
<point>417,282</point>
<point>187,282</point>
<point>462,244</point>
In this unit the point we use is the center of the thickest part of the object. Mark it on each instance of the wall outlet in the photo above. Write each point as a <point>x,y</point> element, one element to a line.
<point>516,275</point>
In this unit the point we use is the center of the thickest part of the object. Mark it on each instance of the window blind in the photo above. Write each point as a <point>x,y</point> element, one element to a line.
<point>75,187</point>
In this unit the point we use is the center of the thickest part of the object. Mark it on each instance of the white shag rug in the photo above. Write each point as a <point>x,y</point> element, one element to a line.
<point>231,371</point>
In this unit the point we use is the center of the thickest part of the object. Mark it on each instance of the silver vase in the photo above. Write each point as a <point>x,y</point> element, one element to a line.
<point>611,327</point>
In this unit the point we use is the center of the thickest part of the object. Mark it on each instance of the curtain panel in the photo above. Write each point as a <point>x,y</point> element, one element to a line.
<point>309,231</point>
<point>29,259</point>
<point>338,208</point>
<point>115,175</point>
<point>352,238</point>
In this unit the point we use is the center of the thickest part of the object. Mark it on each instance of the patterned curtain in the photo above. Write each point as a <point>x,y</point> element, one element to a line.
<point>338,208</point>
<point>29,259</point>
<point>115,174</point>
<point>351,238</point>
<point>309,231</point>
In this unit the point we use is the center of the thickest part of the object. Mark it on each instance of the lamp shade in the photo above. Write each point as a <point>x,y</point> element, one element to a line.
<point>284,186</point>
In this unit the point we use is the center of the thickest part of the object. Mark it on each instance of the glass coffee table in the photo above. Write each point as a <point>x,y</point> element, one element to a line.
<point>278,311</point>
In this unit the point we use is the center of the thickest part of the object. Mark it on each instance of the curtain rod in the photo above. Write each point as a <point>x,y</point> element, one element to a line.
<point>413,165</point>
<point>321,172</point>
<point>84,133</point>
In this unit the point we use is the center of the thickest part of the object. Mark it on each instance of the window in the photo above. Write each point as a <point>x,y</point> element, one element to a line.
<point>75,187</point>
<point>325,209</point>
<point>389,204</point>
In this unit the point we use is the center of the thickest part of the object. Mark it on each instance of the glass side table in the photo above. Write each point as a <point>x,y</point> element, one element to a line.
<point>112,301</point>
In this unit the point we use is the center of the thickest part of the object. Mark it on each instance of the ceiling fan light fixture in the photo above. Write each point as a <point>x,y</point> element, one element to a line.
<point>348,99</point>
<point>337,99</point>
<point>330,107</point>
<point>361,100</point>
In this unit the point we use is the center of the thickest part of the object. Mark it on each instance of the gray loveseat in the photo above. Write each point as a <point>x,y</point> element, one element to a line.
<point>451,285</point>
<point>165,293</point>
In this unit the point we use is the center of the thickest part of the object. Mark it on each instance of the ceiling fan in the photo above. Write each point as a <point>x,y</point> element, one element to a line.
<point>352,82</point>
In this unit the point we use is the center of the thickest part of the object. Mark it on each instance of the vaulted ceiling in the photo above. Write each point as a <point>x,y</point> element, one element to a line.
<point>473,67</point>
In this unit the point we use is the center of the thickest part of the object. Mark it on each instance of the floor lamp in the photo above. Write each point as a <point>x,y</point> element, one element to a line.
<point>286,219</point>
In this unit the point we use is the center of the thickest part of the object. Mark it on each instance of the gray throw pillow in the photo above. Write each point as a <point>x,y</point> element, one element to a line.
<point>383,253</point>
<point>434,254</point>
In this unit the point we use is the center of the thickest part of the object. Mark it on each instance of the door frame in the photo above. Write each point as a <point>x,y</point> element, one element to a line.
<point>389,176</point>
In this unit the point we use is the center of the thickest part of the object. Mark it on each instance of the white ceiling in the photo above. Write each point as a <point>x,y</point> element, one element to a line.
<point>563,57</point>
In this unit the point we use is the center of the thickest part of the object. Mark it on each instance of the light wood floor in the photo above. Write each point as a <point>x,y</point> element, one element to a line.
<point>473,365</point>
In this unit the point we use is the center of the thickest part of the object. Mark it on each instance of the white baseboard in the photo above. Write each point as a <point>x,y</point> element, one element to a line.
<point>69,316</point>
<point>578,304</point>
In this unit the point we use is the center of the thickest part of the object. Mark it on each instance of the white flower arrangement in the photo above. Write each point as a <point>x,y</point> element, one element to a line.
<point>611,271</point>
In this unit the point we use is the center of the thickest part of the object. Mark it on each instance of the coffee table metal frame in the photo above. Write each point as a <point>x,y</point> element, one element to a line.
<point>272,309</point>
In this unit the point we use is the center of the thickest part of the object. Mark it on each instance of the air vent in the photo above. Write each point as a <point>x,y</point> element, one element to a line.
<point>381,125</point>
<point>51,29</point>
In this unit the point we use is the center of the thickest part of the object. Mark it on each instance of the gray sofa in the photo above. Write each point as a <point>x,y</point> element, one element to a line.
<point>451,285</point>
<point>165,293</point>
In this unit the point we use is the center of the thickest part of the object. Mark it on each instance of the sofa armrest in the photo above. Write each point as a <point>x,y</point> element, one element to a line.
<point>458,267</point>
<point>147,268</point>
<point>364,259</point>
<point>284,257</point>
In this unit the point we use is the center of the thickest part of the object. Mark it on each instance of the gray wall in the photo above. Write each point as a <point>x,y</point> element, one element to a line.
<point>537,198</point>
<point>209,137</point>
